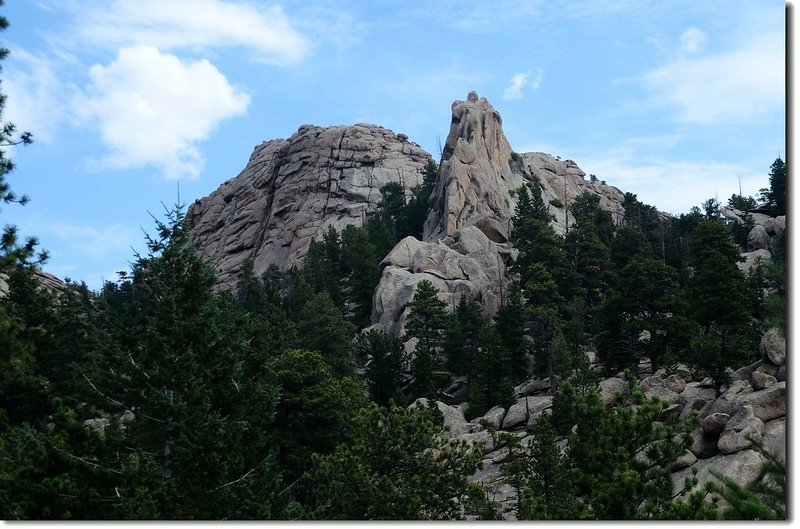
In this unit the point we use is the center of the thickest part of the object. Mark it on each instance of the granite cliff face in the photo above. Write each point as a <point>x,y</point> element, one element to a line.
<point>292,190</point>
<point>465,249</point>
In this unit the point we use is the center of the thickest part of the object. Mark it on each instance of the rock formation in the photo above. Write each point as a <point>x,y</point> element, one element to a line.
<point>465,248</point>
<point>746,410</point>
<point>759,239</point>
<point>292,190</point>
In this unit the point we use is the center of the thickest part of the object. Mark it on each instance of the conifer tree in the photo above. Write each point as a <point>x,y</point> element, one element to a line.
<point>510,325</point>
<point>399,468</point>
<point>719,303</point>
<point>385,366</point>
<point>426,322</point>
<point>176,357</point>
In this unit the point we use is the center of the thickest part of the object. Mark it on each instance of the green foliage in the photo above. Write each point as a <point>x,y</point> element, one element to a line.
<point>540,474</point>
<point>398,468</point>
<point>176,356</point>
<point>490,379</point>
<point>401,216</point>
<point>621,455</point>
<point>720,303</point>
<point>383,354</point>
<point>322,327</point>
<point>777,186</point>
<point>510,326</point>
<point>741,202</point>
<point>427,320</point>
<point>315,409</point>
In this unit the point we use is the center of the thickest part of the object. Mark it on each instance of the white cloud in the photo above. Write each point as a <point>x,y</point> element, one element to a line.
<point>35,94</point>
<point>737,86</point>
<point>693,40</point>
<point>518,82</point>
<point>153,108</point>
<point>266,32</point>
<point>673,186</point>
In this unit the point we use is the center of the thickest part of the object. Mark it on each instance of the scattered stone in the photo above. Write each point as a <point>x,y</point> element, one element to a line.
<point>715,423</point>
<point>761,380</point>
<point>610,387</point>
<point>98,425</point>
<point>768,403</point>
<point>694,405</point>
<point>773,347</point>
<point>741,431</point>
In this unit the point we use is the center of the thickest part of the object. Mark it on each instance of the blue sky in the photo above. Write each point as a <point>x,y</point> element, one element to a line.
<point>129,100</point>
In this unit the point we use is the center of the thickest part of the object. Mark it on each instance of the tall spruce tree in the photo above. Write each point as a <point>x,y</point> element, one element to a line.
<point>176,358</point>
<point>719,303</point>
<point>427,320</point>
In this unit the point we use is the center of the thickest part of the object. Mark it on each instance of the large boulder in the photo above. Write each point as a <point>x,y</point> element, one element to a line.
<point>768,403</point>
<point>773,347</point>
<point>753,260</point>
<point>743,467</point>
<point>455,423</point>
<point>526,411</point>
<point>493,418</point>
<point>741,431</point>
<point>775,438</point>
<point>758,238</point>
<point>610,387</point>
<point>715,423</point>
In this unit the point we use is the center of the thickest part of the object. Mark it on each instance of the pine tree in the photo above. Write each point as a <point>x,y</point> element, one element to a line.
<point>399,468</point>
<point>426,322</point>
<point>777,186</point>
<point>361,271</point>
<point>510,326</point>
<point>315,410</point>
<point>719,303</point>
<point>383,354</point>
<point>176,357</point>
<point>322,327</point>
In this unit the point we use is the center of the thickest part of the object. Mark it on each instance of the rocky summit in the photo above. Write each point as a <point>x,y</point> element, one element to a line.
<point>292,190</point>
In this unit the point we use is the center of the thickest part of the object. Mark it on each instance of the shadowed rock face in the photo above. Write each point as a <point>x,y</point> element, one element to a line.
<point>292,190</point>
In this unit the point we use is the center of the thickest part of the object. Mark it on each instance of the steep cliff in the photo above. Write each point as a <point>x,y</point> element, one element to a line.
<point>465,248</point>
<point>292,190</point>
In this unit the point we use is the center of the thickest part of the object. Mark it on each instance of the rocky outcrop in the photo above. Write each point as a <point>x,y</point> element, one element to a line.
<point>292,190</point>
<point>760,238</point>
<point>465,249</point>
<point>723,443</point>
<point>46,281</point>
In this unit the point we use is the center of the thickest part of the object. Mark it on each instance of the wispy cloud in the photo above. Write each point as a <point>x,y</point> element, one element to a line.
<point>693,40</point>
<point>36,96</point>
<point>735,86</point>
<point>266,32</point>
<point>520,81</point>
<point>668,183</point>
<point>153,108</point>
